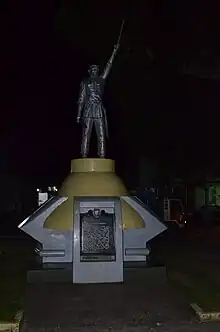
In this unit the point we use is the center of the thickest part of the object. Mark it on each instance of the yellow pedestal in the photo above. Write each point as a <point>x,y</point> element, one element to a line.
<point>91,177</point>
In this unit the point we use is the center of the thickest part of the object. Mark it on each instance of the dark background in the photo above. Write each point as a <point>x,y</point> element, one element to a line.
<point>162,96</point>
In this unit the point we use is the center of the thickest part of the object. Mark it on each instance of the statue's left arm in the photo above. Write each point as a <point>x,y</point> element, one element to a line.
<point>108,66</point>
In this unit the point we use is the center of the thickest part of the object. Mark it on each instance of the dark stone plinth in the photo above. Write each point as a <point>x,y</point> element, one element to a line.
<point>49,276</point>
<point>59,273</point>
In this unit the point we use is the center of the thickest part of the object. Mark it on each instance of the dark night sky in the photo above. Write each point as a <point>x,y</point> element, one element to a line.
<point>48,46</point>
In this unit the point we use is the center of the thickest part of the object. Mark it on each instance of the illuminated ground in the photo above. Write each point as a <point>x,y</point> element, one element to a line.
<point>105,306</point>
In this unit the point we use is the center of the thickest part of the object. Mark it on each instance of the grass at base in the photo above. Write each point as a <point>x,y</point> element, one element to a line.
<point>12,292</point>
<point>13,261</point>
<point>197,289</point>
<point>193,268</point>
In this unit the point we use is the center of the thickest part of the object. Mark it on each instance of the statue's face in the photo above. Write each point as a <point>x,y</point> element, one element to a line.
<point>94,71</point>
<point>96,213</point>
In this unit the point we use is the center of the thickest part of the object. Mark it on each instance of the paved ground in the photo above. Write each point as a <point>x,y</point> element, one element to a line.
<point>134,306</point>
<point>128,307</point>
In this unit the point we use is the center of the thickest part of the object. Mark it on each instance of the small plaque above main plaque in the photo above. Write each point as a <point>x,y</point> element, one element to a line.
<point>97,237</point>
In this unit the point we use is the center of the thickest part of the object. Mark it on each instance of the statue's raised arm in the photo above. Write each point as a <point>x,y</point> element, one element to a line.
<point>115,50</point>
<point>108,66</point>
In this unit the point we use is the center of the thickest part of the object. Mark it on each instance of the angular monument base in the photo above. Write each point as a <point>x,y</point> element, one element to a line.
<point>117,235</point>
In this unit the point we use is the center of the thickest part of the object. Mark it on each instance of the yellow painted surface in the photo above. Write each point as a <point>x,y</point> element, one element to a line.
<point>92,184</point>
<point>130,218</point>
<point>92,165</point>
<point>91,177</point>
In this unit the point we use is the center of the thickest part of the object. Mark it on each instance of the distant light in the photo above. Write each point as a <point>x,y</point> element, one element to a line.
<point>38,190</point>
<point>54,188</point>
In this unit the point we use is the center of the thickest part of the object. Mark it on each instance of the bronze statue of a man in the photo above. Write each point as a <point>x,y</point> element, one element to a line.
<point>91,109</point>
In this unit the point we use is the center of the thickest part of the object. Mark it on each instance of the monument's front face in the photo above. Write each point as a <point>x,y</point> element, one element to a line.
<point>97,240</point>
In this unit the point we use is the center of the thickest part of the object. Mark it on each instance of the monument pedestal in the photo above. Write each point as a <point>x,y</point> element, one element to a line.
<point>95,249</point>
